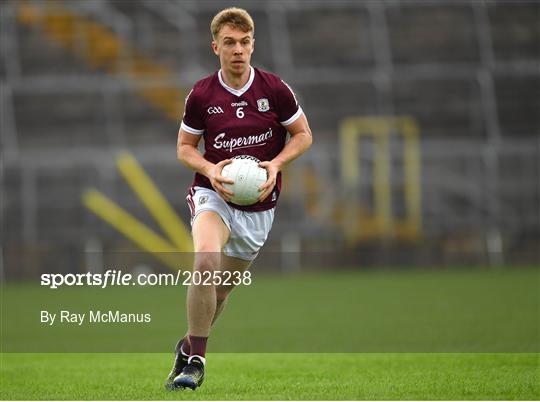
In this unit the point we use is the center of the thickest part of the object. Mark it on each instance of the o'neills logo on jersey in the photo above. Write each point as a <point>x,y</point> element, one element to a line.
<point>236,104</point>
<point>230,144</point>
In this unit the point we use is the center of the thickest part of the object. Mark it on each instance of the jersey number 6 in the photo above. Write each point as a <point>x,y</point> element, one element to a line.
<point>240,113</point>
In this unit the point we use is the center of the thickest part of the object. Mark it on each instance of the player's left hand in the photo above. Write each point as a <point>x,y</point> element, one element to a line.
<point>272,170</point>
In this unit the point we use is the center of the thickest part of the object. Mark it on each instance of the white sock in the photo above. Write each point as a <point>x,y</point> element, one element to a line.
<point>200,357</point>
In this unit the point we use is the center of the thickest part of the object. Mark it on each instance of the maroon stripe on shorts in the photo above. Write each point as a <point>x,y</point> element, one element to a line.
<point>191,203</point>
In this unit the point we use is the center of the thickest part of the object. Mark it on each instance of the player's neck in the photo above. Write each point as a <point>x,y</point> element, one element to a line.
<point>236,81</point>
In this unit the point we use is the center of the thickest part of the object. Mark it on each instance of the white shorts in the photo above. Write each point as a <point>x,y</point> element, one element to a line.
<point>248,230</point>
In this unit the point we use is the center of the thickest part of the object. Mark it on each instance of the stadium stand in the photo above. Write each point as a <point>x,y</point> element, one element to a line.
<point>89,78</point>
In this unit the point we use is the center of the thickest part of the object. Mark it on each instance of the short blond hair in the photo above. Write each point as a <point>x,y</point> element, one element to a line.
<point>235,17</point>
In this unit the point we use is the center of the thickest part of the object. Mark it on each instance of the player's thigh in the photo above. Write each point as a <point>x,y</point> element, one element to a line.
<point>209,232</point>
<point>232,269</point>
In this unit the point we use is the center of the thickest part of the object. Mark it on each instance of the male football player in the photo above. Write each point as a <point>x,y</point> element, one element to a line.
<point>238,110</point>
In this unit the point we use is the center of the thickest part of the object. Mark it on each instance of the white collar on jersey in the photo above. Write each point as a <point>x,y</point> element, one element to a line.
<point>241,91</point>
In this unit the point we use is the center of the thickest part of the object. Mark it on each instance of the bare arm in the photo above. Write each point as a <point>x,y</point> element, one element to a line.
<point>299,142</point>
<point>189,155</point>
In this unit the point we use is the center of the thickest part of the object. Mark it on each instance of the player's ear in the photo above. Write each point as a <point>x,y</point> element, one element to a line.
<point>214,47</point>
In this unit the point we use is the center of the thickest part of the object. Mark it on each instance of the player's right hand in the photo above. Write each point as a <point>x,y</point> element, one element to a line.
<point>217,180</point>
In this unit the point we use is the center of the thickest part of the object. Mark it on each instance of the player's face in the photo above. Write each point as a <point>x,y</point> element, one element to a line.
<point>234,49</point>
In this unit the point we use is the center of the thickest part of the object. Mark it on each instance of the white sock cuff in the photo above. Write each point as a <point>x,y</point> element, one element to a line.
<point>199,357</point>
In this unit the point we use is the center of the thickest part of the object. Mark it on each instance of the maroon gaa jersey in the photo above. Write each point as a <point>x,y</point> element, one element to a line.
<point>246,121</point>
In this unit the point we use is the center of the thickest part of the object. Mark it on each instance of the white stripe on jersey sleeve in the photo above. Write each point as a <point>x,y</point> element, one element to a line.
<point>191,130</point>
<point>293,118</point>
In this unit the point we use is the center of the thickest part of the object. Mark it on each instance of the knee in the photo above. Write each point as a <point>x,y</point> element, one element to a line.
<point>207,261</point>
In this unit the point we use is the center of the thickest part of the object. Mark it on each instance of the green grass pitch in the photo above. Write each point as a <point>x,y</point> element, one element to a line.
<point>311,376</point>
<point>441,334</point>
